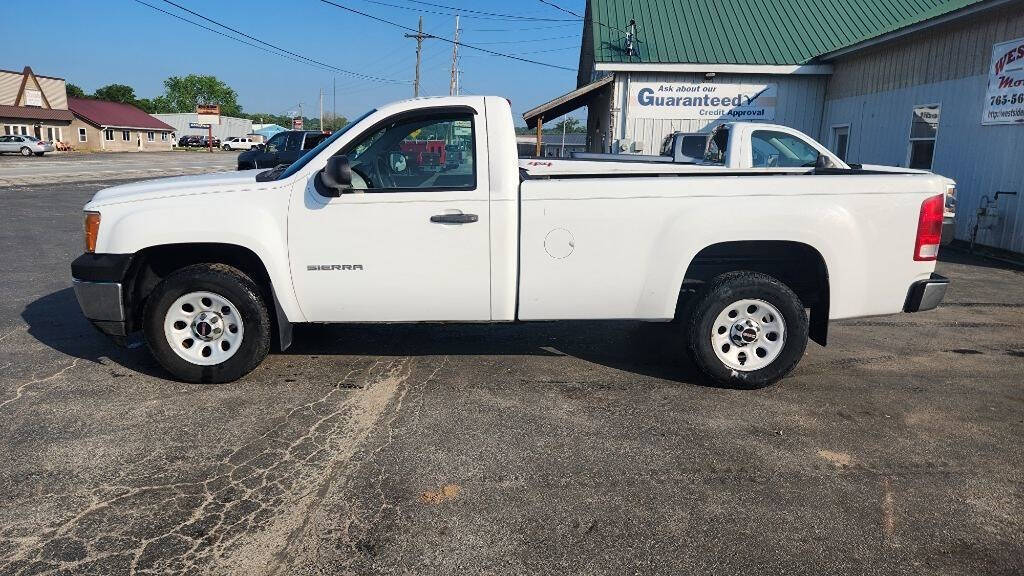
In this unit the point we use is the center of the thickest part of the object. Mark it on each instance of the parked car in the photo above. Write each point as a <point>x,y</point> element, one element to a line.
<point>283,148</point>
<point>24,145</point>
<point>238,143</point>
<point>189,141</point>
<point>738,248</point>
<point>204,142</point>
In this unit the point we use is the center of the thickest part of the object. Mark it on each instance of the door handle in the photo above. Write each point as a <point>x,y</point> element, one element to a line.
<point>454,218</point>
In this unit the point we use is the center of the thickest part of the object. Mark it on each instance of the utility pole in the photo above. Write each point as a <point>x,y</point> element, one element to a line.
<point>419,36</point>
<point>322,110</point>
<point>334,102</point>
<point>453,85</point>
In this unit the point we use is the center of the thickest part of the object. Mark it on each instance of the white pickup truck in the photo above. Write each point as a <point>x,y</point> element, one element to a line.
<point>753,251</point>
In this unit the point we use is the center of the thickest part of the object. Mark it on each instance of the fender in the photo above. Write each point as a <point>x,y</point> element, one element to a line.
<point>768,220</point>
<point>252,219</point>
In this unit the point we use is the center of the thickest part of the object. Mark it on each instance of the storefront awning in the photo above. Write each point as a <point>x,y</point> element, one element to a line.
<point>566,103</point>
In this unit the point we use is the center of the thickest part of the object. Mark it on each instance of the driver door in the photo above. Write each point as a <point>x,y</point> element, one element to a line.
<point>411,241</point>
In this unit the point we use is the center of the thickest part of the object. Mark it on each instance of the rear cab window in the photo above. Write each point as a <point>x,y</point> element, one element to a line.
<point>718,146</point>
<point>771,149</point>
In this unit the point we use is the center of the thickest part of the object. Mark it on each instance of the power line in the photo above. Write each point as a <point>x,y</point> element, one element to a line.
<point>596,21</point>
<point>527,40</point>
<point>287,51</point>
<point>557,7</point>
<point>279,51</point>
<point>531,29</point>
<point>448,40</point>
<point>499,15</point>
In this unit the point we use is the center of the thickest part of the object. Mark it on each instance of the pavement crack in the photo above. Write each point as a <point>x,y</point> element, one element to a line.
<point>21,389</point>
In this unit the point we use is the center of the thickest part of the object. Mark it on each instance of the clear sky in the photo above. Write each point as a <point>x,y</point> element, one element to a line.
<point>97,42</point>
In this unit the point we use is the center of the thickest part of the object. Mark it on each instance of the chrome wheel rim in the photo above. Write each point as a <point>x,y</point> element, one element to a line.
<point>748,335</point>
<point>203,328</point>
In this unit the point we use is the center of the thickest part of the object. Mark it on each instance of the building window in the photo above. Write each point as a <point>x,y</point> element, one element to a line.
<point>841,140</point>
<point>83,136</point>
<point>126,135</point>
<point>150,136</point>
<point>108,134</point>
<point>924,128</point>
<point>163,136</point>
<point>7,130</point>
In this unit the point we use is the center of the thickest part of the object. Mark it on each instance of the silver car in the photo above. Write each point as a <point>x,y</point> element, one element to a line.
<point>24,145</point>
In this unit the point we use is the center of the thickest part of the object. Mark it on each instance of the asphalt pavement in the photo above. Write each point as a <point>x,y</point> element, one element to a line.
<point>77,167</point>
<point>551,448</point>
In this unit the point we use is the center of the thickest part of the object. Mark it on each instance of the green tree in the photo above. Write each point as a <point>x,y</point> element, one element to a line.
<point>184,93</point>
<point>74,91</point>
<point>158,105</point>
<point>116,93</point>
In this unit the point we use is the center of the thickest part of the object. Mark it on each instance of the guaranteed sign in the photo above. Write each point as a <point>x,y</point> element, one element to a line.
<point>702,101</point>
<point>1004,100</point>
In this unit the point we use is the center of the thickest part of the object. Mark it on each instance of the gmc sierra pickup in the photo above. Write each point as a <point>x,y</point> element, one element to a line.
<point>752,251</point>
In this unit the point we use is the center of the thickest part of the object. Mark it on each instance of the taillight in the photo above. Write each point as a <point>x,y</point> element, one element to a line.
<point>929,229</point>
<point>92,230</point>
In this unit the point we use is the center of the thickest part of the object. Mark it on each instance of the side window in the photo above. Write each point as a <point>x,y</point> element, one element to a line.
<point>294,141</point>
<point>312,141</point>
<point>277,142</point>
<point>780,150</point>
<point>427,153</point>
<point>717,147</point>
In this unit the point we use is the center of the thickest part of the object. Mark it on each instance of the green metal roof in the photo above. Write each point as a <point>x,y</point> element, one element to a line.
<point>776,32</point>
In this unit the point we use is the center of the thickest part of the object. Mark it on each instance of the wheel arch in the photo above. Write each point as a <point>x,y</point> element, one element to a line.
<point>799,265</point>
<point>152,263</point>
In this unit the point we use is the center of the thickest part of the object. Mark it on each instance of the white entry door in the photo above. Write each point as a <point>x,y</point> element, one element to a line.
<point>411,242</point>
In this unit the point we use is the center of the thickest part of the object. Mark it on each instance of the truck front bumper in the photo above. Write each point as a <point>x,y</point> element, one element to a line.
<point>98,282</point>
<point>926,294</point>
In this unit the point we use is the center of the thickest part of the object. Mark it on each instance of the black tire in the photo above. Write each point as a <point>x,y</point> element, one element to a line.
<point>721,292</point>
<point>25,151</point>
<point>228,282</point>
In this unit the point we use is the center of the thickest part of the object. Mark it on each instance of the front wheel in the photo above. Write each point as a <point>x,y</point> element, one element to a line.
<point>746,330</point>
<point>207,323</point>
<point>25,151</point>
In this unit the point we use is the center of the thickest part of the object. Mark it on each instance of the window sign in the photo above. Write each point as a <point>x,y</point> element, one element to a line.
<point>702,101</point>
<point>1004,99</point>
<point>924,127</point>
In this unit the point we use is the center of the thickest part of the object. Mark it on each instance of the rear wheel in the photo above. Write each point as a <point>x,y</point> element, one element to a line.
<point>746,330</point>
<point>26,151</point>
<point>207,323</point>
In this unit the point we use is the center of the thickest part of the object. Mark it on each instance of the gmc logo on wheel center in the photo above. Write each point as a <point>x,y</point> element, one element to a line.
<point>328,267</point>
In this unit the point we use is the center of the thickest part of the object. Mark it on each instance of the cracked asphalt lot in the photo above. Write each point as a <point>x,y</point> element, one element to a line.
<point>556,448</point>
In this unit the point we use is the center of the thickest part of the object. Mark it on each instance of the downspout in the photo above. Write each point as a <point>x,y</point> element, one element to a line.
<point>625,110</point>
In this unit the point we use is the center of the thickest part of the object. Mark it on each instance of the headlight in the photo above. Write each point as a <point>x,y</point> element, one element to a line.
<point>92,230</point>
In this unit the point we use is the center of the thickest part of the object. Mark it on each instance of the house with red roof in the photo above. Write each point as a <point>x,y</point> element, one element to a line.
<point>116,127</point>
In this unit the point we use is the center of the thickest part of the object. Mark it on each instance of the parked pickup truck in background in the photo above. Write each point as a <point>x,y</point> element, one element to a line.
<point>679,147</point>
<point>753,251</point>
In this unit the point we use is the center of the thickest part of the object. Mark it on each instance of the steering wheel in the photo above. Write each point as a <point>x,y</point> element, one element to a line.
<point>383,172</point>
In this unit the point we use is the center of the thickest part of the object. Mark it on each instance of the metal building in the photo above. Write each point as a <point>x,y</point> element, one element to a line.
<point>920,97</point>
<point>878,81</point>
<point>228,127</point>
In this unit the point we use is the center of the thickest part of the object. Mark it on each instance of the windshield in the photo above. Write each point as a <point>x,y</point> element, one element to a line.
<point>298,164</point>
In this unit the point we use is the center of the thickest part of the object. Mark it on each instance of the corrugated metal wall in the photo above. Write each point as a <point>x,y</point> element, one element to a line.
<point>875,94</point>
<point>228,127</point>
<point>799,105</point>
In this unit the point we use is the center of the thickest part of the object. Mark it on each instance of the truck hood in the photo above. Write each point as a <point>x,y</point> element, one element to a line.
<point>176,186</point>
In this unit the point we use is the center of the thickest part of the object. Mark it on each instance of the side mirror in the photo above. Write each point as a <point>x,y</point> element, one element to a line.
<point>336,177</point>
<point>823,162</point>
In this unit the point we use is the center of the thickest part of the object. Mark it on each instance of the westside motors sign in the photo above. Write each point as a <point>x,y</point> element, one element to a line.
<point>703,101</point>
<point>1004,99</point>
